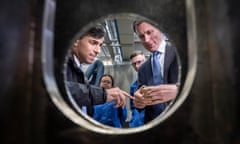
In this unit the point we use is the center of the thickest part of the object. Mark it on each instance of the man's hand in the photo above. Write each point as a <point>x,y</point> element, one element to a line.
<point>118,95</point>
<point>139,101</point>
<point>160,94</point>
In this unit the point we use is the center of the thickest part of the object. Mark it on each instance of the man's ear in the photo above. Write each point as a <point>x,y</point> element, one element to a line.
<point>75,44</point>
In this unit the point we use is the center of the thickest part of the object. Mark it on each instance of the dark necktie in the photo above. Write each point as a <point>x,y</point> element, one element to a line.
<point>156,69</point>
<point>154,110</point>
<point>84,108</point>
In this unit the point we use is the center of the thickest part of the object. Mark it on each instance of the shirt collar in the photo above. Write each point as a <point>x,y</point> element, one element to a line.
<point>162,47</point>
<point>76,60</point>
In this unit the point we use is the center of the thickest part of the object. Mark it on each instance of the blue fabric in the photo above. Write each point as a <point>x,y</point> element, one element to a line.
<point>157,80</point>
<point>84,108</point>
<point>94,72</point>
<point>170,75</point>
<point>109,115</point>
<point>156,69</point>
<point>137,115</point>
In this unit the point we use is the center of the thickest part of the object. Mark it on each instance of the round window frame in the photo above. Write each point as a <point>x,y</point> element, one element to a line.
<point>86,121</point>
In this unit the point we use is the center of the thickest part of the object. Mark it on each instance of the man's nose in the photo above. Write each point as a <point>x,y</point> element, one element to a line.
<point>137,66</point>
<point>146,38</point>
<point>97,49</point>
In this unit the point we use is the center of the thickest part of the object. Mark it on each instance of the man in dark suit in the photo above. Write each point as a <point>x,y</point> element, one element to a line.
<point>159,81</point>
<point>84,50</point>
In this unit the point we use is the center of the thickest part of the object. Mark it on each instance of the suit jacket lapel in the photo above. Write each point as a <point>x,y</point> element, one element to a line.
<point>169,55</point>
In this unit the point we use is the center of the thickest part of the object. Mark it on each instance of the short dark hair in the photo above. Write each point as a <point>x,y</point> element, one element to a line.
<point>138,22</point>
<point>136,53</point>
<point>107,75</point>
<point>97,31</point>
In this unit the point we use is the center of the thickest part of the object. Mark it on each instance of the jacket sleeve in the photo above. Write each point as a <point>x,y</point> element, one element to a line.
<point>173,72</point>
<point>85,94</point>
<point>171,66</point>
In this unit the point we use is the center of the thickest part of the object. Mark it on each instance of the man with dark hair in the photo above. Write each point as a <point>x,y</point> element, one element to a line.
<point>85,50</point>
<point>137,58</point>
<point>158,76</point>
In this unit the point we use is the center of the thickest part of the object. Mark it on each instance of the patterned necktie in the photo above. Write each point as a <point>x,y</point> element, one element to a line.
<point>156,69</point>
<point>153,111</point>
